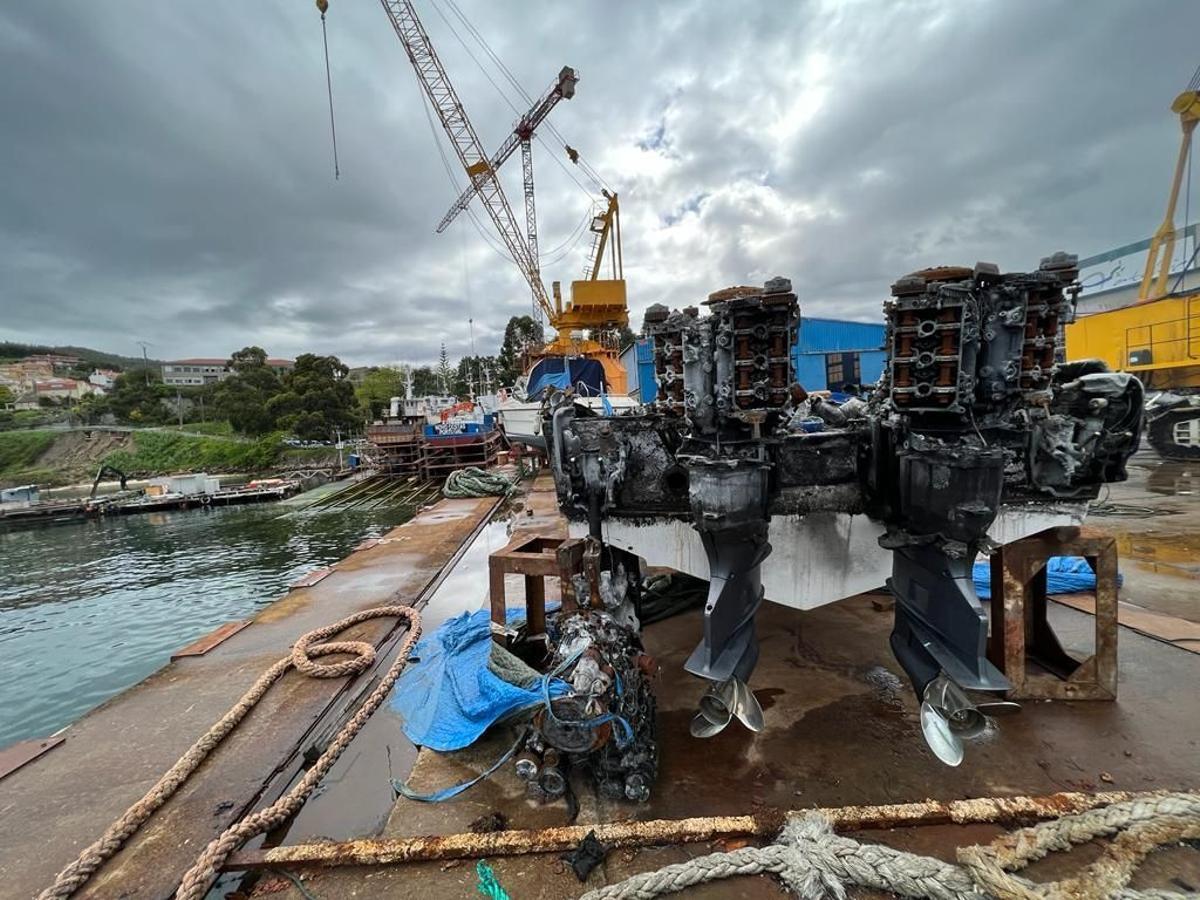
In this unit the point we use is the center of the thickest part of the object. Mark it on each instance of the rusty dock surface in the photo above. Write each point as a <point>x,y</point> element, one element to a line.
<point>841,730</point>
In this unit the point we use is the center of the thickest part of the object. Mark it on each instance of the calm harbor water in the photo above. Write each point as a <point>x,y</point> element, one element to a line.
<point>88,609</point>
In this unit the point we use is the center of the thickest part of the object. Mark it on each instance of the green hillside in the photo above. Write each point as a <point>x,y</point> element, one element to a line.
<point>11,351</point>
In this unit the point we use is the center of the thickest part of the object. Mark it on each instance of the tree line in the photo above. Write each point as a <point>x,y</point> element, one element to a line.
<point>314,401</point>
<point>472,374</point>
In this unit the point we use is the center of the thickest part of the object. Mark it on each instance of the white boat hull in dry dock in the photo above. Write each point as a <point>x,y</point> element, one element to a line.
<point>522,421</point>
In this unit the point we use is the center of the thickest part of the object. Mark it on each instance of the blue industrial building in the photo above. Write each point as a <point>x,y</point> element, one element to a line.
<point>831,353</point>
<point>828,354</point>
<point>638,360</point>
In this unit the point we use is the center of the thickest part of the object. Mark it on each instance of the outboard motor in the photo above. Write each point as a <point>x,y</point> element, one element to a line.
<point>727,375</point>
<point>972,394</point>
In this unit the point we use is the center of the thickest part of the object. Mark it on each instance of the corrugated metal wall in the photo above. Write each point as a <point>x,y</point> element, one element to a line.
<point>819,337</point>
<point>648,383</point>
<point>638,360</point>
<point>629,363</point>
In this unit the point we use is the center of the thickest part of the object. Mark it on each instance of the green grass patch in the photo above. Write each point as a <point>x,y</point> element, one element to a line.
<point>19,450</point>
<point>42,477</point>
<point>161,452</point>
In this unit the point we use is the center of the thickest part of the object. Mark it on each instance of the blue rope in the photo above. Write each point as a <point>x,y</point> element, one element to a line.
<point>488,885</point>
<point>624,738</point>
<point>403,790</point>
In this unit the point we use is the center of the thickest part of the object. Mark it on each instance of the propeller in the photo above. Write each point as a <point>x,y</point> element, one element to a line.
<point>948,717</point>
<point>722,703</point>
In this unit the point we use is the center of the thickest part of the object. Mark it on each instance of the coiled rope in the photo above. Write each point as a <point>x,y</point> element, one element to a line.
<point>816,863</point>
<point>198,879</point>
<point>476,482</point>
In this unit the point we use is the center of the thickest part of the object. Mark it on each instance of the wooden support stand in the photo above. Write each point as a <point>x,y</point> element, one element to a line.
<point>537,558</point>
<point>397,448</point>
<point>403,449</point>
<point>1022,634</point>
<point>442,455</point>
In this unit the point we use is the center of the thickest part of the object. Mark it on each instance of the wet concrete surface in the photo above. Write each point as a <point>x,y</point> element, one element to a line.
<point>841,729</point>
<point>53,807</point>
<point>356,798</point>
<point>1155,518</point>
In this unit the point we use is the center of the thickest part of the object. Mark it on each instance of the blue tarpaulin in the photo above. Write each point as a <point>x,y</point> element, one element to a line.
<point>449,697</point>
<point>585,375</point>
<point>1064,575</point>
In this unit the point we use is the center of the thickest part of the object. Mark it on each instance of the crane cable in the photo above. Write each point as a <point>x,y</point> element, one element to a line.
<point>475,59</point>
<point>323,5</point>
<point>508,75</point>
<point>557,254</point>
<point>433,130</point>
<point>505,98</point>
<point>571,239</point>
<point>512,79</point>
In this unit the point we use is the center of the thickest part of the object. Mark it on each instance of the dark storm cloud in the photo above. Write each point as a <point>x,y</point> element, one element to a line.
<point>167,173</point>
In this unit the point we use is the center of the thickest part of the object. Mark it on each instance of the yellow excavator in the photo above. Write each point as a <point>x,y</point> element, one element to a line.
<point>1157,337</point>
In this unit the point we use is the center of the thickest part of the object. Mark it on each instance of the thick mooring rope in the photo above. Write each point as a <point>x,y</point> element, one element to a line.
<point>816,863</point>
<point>197,880</point>
<point>476,482</point>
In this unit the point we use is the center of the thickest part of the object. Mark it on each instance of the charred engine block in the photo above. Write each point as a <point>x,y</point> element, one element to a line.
<point>731,365</point>
<point>726,376</point>
<point>973,411</point>
<point>605,723</point>
<point>959,337</point>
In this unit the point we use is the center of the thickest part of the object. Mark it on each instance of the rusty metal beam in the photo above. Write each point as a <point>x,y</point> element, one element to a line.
<point>16,755</point>
<point>537,557</point>
<point>379,852</point>
<point>214,638</point>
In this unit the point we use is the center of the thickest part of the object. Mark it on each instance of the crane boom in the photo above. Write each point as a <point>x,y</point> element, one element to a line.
<point>1162,245</point>
<point>437,87</point>
<point>562,89</point>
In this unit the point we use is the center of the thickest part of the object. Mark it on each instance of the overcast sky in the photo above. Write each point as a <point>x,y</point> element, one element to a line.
<point>166,172</point>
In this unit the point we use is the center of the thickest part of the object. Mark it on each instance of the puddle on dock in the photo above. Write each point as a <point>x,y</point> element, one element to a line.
<point>356,797</point>
<point>1174,479</point>
<point>1155,519</point>
<point>1168,554</point>
<point>465,588</point>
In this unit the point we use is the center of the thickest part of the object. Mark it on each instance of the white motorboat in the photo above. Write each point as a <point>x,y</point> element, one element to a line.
<point>522,419</point>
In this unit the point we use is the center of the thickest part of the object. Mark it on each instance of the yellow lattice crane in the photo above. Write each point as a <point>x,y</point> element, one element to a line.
<point>586,324</point>
<point>589,323</point>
